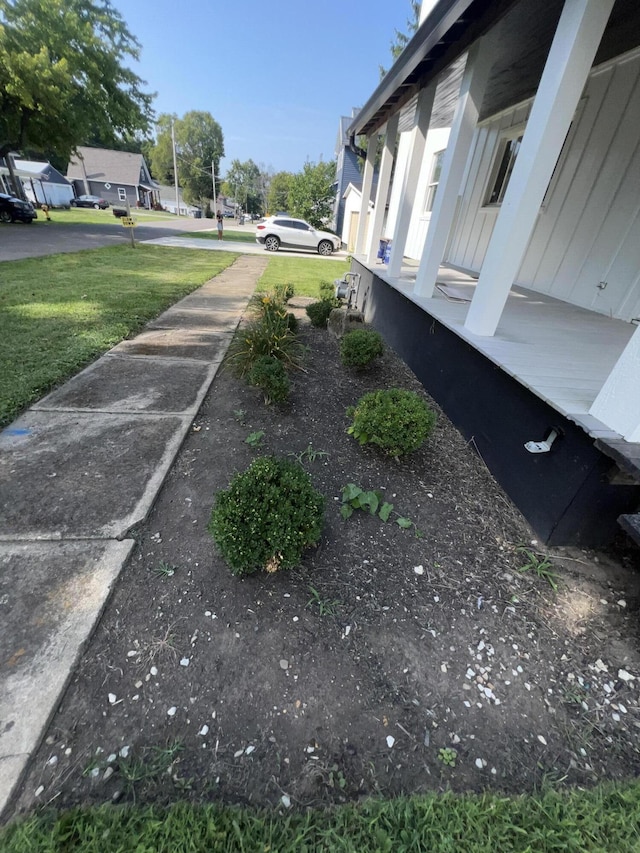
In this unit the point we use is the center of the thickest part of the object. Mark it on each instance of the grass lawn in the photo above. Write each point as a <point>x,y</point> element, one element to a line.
<point>305,274</point>
<point>240,236</point>
<point>606,818</point>
<point>89,216</point>
<point>60,312</point>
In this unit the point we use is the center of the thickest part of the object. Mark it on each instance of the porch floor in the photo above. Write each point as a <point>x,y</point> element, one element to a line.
<point>560,352</point>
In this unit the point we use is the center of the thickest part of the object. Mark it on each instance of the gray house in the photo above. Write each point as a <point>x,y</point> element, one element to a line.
<point>518,304</point>
<point>117,176</point>
<point>42,183</point>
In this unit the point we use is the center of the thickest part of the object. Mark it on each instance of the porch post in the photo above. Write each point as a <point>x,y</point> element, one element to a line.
<point>384,179</point>
<point>618,403</point>
<point>411,175</point>
<point>474,81</point>
<point>367,182</point>
<point>574,47</point>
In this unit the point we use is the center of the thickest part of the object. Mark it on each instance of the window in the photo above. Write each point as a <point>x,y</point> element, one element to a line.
<point>122,194</point>
<point>434,180</point>
<point>503,167</point>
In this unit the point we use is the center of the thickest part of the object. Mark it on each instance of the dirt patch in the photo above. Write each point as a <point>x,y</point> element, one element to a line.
<point>348,676</point>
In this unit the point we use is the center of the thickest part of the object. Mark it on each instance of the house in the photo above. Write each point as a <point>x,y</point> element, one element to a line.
<point>517,303</point>
<point>167,199</point>
<point>117,176</point>
<point>347,170</point>
<point>42,183</point>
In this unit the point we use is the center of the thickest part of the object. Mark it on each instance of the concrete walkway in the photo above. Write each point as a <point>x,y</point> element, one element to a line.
<point>77,471</point>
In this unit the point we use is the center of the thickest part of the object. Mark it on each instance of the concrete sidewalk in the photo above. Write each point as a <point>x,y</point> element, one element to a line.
<point>77,471</point>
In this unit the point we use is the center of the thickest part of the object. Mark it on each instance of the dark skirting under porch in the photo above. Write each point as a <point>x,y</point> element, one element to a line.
<point>571,495</point>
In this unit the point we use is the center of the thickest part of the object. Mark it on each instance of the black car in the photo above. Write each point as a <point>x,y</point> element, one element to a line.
<point>89,201</point>
<point>13,209</point>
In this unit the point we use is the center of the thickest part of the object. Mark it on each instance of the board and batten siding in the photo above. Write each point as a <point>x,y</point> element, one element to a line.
<point>585,247</point>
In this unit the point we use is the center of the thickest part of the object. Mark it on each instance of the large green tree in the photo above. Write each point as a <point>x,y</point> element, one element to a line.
<point>312,194</point>
<point>62,76</point>
<point>244,182</point>
<point>278,195</point>
<point>401,40</point>
<point>199,143</point>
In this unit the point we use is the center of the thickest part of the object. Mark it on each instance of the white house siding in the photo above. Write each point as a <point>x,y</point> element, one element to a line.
<point>588,231</point>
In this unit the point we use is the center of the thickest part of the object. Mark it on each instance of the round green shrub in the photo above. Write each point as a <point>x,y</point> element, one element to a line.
<point>359,347</point>
<point>318,312</point>
<point>397,421</point>
<point>269,374</point>
<point>267,517</point>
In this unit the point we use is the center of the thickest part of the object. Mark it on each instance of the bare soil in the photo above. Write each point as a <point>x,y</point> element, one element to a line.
<point>346,677</point>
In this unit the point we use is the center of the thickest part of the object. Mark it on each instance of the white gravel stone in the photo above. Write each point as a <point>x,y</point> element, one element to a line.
<point>172,711</point>
<point>419,570</point>
<point>204,731</point>
<point>153,670</point>
<point>124,752</point>
<point>108,773</point>
<point>623,675</point>
<point>185,662</point>
<point>284,663</point>
<point>39,790</point>
<point>390,741</point>
<point>112,698</point>
<point>542,740</point>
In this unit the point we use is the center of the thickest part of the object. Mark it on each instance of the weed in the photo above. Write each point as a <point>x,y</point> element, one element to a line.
<point>254,439</point>
<point>448,756</point>
<point>353,497</point>
<point>324,605</point>
<point>165,569</point>
<point>161,646</point>
<point>153,762</point>
<point>239,415</point>
<point>541,565</point>
<point>309,455</point>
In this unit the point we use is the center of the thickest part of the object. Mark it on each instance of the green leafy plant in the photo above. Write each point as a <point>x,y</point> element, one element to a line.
<point>269,374</point>
<point>360,347</point>
<point>254,439</point>
<point>353,498</point>
<point>268,335</point>
<point>165,569</point>
<point>540,565</point>
<point>396,421</point>
<point>267,517</point>
<point>309,454</point>
<point>325,606</point>
<point>448,756</point>
<point>239,415</point>
<point>318,312</point>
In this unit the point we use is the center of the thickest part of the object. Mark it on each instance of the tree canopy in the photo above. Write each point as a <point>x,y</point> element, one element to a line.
<point>199,142</point>
<point>401,40</point>
<point>278,195</point>
<point>245,183</point>
<point>312,194</point>
<point>62,77</point>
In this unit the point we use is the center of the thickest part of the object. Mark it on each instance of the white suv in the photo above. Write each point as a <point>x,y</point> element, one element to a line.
<point>295,234</point>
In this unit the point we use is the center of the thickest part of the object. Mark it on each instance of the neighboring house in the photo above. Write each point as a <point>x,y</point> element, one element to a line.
<point>117,176</point>
<point>167,196</point>
<point>41,182</point>
<point>519,312</point>
<point>352,201</point>
<point>347,170</point>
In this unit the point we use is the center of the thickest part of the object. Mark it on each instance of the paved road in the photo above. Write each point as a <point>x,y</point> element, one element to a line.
<point>19,241</point>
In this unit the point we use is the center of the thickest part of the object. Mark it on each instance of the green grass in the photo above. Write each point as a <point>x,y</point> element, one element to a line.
<point>60,312</point>
<point>239,236</point>
<point>89,216</point>
<point>604,819</point>
<point>305,274</point>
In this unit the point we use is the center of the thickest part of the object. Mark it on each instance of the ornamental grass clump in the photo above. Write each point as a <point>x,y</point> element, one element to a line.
<point>266,335</point>
<point>269,374</point>
<point>396,421</point>
<point>360,347</point>
<point>267,517</point>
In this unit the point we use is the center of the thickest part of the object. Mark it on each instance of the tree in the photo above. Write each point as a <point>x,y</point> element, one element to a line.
<point>244,182</point>
<point>199,142</point>
<point>401,40</point>
<point>62,77</point>
<point>279,188</point>
<point>312,194</point>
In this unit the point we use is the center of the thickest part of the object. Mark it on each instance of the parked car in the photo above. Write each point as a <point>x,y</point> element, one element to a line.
<point>90,201</point>
<point>13,209</point>
<point>289,233</point>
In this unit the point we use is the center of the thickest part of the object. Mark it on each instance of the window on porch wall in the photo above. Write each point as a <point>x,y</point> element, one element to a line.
<point>503,168</point>
<point>434,180</point>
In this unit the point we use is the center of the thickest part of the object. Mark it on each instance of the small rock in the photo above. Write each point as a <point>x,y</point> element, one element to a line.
<point>53,761</point>
<point>204,731</point>
<point>112,698</point>
<point>284,663</point>
<point>95,772</point>
<point>623,675</point>
<point>542,740</point>
<point>111,758</point>
<point>238,753</point>
<point>185,662</point>
<point>479,763</point>
<point>107,774</point>
<point>153,670</point>
<point>616,717</point>
<point>132,653</point>
<point>39,790</point>
<point>249,750</point>
<point>419,570</point>
<point>621,603</point>
<point>172,711</point>
<point>390,741</point>
<point>124,752</point>
<point>138,685</point>
<point>286,801</point>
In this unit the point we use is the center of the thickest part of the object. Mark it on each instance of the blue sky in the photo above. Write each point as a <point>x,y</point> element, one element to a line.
<point>276,74</point>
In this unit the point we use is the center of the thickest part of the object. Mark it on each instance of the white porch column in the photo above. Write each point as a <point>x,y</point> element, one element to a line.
<point>367,182</point>
<point>618,403</point>
<point>574,47</point>
<point>384,179</point>
<point>474,81</point>
<point>411,175</point>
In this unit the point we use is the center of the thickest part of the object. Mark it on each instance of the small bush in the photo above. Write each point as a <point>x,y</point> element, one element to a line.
<point>318,312</point>
<point>269,374</point>
<point>397,421</point>
<point>269,335</point>
<point>267,517</point>
<point>327,290</point>
<point>359,348</point>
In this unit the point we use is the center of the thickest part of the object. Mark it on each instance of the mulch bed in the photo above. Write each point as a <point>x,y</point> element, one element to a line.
<point>347,676</point>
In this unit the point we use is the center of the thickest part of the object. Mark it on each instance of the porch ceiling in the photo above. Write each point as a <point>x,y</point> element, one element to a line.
<point>525,30</point>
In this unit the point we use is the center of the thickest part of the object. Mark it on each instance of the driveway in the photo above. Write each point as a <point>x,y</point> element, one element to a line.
<point>19,241</point>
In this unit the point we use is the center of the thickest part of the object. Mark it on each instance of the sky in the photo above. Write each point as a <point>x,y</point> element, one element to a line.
<point>275,74</point>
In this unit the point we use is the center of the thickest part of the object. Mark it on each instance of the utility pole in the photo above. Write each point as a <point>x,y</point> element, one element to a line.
<point>175,168</point>
<point>213,181</point>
